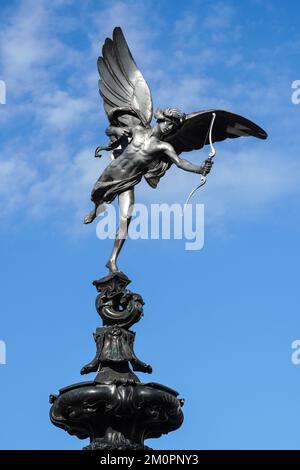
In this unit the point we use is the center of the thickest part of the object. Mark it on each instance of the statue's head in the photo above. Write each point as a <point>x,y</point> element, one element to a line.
<point>169,120</point>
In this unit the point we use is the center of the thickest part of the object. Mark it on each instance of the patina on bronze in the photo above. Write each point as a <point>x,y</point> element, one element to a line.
<point>139,150</point>
<point>116,410</point>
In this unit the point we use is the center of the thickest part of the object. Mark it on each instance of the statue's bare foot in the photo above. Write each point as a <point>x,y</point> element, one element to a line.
<point>90,217</point>
<point>111,265</point>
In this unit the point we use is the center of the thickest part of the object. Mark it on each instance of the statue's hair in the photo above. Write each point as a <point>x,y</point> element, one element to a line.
<point>173,114</point>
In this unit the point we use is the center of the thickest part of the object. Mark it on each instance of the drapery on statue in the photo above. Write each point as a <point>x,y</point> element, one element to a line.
<point>139,150</point>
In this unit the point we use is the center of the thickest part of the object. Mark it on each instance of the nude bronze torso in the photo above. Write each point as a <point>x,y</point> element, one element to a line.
<point>139,150</point>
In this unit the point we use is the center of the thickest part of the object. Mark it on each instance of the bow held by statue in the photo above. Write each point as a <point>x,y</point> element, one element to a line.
<point>207,164</point>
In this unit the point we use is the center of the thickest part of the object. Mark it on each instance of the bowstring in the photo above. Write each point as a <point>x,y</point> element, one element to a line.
<point>212,153</point>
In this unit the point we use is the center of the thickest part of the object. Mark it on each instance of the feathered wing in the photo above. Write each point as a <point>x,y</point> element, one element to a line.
<point>194,134</point>
<point>123,88</point>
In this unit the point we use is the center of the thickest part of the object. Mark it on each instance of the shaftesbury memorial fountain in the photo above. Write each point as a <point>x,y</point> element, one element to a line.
<point>116,410</point>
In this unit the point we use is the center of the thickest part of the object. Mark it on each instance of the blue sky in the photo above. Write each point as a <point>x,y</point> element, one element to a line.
<point>219,322</point>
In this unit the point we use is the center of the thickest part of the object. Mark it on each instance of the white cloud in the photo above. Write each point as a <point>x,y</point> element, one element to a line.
<point>61,111</point>
<point>26,47</point>
<point>220,17</point>
<point>243,185</point>
<point>16,176</point>
<point>53,89</point>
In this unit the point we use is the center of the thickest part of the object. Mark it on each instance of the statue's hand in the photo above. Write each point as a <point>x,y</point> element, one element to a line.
<point>123,132</point>
<point>97,152</point>
<point>207,166</point>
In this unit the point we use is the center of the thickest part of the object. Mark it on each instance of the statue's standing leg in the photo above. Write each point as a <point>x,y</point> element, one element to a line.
<point>126,203</point>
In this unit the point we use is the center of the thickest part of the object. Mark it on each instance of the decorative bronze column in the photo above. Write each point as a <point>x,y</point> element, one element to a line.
<point>116,410</point>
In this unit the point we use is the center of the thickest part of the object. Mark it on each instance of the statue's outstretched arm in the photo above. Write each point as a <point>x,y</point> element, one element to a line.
<point>185,164</point>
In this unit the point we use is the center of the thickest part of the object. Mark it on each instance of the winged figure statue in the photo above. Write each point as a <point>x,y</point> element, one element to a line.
<point>138,149</point>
